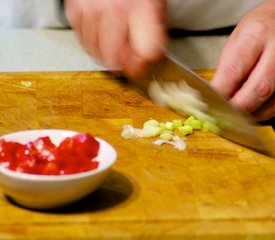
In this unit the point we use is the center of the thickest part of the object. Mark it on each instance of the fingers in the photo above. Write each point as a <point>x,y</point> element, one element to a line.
<point>134,66</point>
<point>147,30</point>
<point>245,73</point>
<point>237,60</point>
<point>147,36</point>
<point>89,32</point>
<point>259,86</point>
<point>113,34</point>
<point>74,13</point>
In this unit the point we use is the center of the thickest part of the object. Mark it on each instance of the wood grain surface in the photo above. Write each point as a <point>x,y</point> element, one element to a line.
<point>215,189</point>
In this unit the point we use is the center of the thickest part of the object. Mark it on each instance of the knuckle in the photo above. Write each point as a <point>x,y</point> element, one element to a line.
<point>257,30</point>
<point>242,105</point>
<point>264,89</point>
<point>233,74</point>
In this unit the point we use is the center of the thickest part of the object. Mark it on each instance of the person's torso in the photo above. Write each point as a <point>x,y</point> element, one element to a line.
<point>208,14</point>
<point>186,14</point>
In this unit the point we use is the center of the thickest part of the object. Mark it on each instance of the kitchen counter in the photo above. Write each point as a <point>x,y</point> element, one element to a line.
<point>59,50</point>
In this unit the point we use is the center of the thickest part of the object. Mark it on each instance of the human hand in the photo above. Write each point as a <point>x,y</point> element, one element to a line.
<point>246,69</point>
<point>126,35</point>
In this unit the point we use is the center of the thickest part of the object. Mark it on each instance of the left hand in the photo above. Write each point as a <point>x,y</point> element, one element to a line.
<point>246,69</point>
<point>126,35</point>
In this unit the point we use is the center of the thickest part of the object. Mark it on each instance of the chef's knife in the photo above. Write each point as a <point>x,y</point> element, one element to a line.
<point>233,125</point>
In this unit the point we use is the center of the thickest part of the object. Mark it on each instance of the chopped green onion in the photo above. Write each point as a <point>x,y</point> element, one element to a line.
<point>150,131</point>
<point>162,127</point>
<point>166,136</point>
<point>169,126</point>
<point>26,83</point>
<point>210,127</point>
<point>185,130</point>
<point>196,124</point>
<point>177,123</point>
<point>189,120</point>
<point>168,131</point>
<point>152,123</point>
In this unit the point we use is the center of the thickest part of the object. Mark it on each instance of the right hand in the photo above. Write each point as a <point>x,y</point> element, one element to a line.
<point>126,35</point>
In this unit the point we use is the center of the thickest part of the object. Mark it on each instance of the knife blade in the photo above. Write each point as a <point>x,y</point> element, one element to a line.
<point>233,124</point>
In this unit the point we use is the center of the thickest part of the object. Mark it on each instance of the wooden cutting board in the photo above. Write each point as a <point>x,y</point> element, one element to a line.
<point>215,189</point>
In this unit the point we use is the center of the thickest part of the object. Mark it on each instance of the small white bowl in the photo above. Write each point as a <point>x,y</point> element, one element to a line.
<point>51,191</point>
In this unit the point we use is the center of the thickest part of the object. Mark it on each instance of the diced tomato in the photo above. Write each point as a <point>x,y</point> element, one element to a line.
<point>8,154</point>
<point>86,144</point>
<point>50,169</point>
<point>43,148</point>
<point>25,160</point>
<point>74,154</point>
<point>78,151</point>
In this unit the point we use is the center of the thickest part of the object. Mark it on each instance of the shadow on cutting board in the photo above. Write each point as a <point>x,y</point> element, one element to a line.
<point>116,190</point>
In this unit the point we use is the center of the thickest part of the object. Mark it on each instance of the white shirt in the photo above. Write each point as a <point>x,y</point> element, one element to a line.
<point>187,14</point>
<point>29,14</point>
<point>208,14</point>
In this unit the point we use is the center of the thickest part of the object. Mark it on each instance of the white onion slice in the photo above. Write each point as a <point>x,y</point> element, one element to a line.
<point>129,132</point>
<point>180,97</point>
<point>176,141</point>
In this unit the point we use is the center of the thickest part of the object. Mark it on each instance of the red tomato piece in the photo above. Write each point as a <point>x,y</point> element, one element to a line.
<point>25,161</point>
<point>65,156</point>
<point>50,168</point>
<point>74,154</point>
<point>8,153</point>
<point>86,144</point>
<point>43,149</point>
